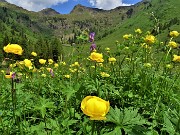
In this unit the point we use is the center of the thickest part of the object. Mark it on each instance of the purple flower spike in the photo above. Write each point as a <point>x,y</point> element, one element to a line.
<point>93,47</point>
<point>91,36</point>
<point>52,73</point>
<point>13,75</point>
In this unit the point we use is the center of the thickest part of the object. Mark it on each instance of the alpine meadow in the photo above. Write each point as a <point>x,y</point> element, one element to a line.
<point>92,71</point>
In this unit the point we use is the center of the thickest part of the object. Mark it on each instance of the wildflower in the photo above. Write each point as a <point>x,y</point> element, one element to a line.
<point>100,64</point>
<point>127,48</point>
<point>149,39</point>
<point>12,65</point>
<point>42,61</point>
<point>43,75</point>
<point>169,66</point>
<point>34,70</point>
<point>92,66</point>
<point>10,75</point>
<point>2,71</point>
<point>13,48</point>
<point>127,36</point>
<point>93,47</point>
<point>91,36</point>
<point>51,72</point>
<point>76,64</point>
<point>34,54</point>
<point>128,59</point>
<point>107,49</point>
<point>98,57</point>
<point>28,63</point>
<point>174,33</point>
<point>95,107</point>
<point>172,44</point>
<point>56,65</point>
<point>67,76</point>
<point>63,63</point>
<point>112,60</point>
<point>138,31</point>
<point>147,65</point>
<point>50,61</point>
<point>103,74</point>
<point>176,58</point>
<point>48,69</point>
<point>72,70</point>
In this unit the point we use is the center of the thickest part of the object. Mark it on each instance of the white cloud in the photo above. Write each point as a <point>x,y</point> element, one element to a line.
<point>107,4</point>
<point>36,5</point>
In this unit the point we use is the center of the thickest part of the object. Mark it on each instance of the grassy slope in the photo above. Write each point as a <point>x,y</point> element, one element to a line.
<point>164,11</point>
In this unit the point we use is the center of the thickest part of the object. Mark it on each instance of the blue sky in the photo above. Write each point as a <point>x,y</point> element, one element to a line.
<point>65,6</point>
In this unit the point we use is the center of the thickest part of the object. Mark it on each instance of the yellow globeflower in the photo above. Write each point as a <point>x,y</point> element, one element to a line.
<point>176,58</point>
<point>149,39</point>
<point>76,64</point>
<point>2,71</point>
<point>98,57</point>
<point>127,36</point>
<point>9,76</point>
<point>56,65</point>
<point>67,76</point>
<point>43,75</point>
<point>28,63</point>
<point>63,63</point>
<point>95,107</point>
<point>112,60</point>
<point>13,48</point>
<point>147,65</point>
<point>107,49</point>
<point>103,74</point>
<point>42,61</point>
<point>34,54</point>
<point>138,31</point>
<point>174,33</point>
<point>50,61</point>
<point>169,66</point>
<point>172,44</point>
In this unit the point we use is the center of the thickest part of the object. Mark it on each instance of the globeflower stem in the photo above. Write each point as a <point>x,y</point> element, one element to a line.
<point>93,127</point>
<point>13,95</point>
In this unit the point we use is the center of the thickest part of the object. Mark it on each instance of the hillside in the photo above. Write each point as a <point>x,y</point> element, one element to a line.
<point>165,11</point>
<point>50,23</point>
<point>28,28</point>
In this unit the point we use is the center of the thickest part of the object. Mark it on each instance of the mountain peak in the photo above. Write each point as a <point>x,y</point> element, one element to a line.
<point>49,11</point>
<point>80,9</point>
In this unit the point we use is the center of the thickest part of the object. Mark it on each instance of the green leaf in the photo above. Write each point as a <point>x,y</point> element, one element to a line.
<point>116,131</point>
<point>126,119</point>
<point>43,105</point>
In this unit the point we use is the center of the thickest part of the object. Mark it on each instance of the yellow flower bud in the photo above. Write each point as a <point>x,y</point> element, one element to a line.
<point>34,54</point>
<point>138,31</point>
<point>176,58</point>
<point>103,74</point>
<point>174,33</point>
<point>42,61</point>
<point>172,44</point>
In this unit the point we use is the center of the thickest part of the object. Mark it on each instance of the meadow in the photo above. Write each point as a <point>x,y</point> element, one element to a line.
<point>130,88</point>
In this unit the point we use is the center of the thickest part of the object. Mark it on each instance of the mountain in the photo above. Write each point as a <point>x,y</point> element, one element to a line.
<point>149,15</point>
<point>49,11</point>
<point>80,9</point>
<point>109,25</point>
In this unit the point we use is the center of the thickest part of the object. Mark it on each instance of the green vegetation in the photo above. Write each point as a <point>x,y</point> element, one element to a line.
<point>140,80</point>
<point>128,85</point>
